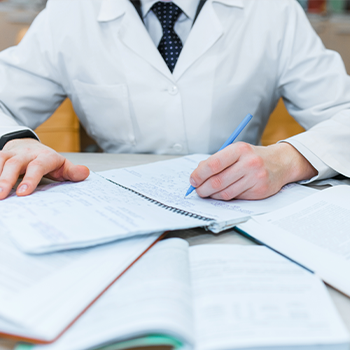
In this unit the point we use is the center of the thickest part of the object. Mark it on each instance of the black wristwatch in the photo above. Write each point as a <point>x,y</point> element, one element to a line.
<point>21,134</point>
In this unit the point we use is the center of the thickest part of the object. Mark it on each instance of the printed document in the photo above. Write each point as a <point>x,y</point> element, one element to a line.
<point>315,232</point>
<point>212,297</point>
<point>74,215</point>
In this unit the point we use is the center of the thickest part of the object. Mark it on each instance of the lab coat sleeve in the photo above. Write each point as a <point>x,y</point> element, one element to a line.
<point>323,170</point>
<point>30,89</point>
<point>316,90</point>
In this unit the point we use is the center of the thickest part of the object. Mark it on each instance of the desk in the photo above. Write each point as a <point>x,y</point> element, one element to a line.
<point>99,162</point>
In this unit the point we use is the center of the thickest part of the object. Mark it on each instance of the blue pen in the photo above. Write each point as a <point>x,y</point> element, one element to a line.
<point>230,140</point>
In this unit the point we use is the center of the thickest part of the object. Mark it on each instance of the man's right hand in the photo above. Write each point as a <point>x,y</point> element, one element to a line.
<point>34,160</point>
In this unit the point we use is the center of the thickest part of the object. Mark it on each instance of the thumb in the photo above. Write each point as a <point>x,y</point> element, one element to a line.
<point>75,173</point>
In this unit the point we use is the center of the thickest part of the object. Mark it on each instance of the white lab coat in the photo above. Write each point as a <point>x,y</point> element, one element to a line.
<point>240,57</point>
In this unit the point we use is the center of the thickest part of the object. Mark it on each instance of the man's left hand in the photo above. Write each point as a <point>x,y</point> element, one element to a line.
<point>243,171</point>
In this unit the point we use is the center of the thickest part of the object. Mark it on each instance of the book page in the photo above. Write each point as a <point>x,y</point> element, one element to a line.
<point>251,297</point>
<point>74,215</point>
<point>153,297</point>
<point>314,232</point>
<point>41,295</point>
<point>168,181</point>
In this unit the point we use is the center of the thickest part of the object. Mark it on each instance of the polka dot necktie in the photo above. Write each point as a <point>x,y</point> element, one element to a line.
<point>170,45</point>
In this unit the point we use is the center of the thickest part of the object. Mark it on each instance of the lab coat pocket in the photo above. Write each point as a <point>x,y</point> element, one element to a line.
<point>107,112</point>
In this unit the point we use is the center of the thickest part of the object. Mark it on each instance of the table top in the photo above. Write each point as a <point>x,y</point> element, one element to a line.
<point>102,161</point>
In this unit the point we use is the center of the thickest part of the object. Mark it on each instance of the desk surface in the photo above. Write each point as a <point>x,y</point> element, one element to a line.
<point>99,162</point>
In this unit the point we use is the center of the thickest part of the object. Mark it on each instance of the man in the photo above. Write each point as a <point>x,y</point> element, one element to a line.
<point>177,78</point>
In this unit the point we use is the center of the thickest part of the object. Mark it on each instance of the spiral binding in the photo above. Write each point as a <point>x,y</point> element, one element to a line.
<point>164,206</point>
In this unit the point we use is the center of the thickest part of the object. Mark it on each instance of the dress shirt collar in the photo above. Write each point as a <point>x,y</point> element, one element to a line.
<point>112,9</point>
<point>189,7</point>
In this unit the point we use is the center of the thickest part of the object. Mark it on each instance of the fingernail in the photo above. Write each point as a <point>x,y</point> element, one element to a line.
<point>22,189</point>
<point>193,183</point>
<point>1,189</point>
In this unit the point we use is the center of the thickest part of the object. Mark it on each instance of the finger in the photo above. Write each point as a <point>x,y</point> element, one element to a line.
<point>10,173</point>
<point>217,163</point>
<point>237,190</point>
<point>35,171</point>
<point>59,170</point>
<point>255,192</point>
<point>4,156</point>
<point>71,172</point>
<point>247,188</point>
<point>220,181</point>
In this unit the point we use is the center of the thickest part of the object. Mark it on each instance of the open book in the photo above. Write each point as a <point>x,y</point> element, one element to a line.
<point>210,297</point>
<point>315,232</point>
<point>41,296</point>
<point>125,202</point>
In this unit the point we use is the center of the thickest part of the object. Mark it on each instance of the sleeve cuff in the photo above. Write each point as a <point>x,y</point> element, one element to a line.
<point>324,171</point>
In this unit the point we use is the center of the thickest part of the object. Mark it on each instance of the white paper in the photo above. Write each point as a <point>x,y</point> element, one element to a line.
<point>332,182</point>
<point>168,181</point>
<point>251,297</point>
<point>41,295</point>
<point>71,215</point>
<point>314,232</point>
<point>242,297</point>
<point>322,219</point>
<point>153,297</point>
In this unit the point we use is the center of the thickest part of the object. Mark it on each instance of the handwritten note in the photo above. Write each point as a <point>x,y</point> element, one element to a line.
<point>168,181</point>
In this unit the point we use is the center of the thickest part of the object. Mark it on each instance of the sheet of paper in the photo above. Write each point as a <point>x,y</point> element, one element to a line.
<point>154,297</point>
<point>72,215</point>
<point>251,297</point>
<point>41,295</point>
<point>332,182</point>
<point>168,181</point>
<point>314,232</point>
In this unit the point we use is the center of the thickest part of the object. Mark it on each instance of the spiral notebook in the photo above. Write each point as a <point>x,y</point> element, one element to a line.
<point>165,184</point>
<point>123,203</point>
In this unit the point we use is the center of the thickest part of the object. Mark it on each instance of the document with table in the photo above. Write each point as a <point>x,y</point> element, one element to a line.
<point>123,203</point>
<point>314,232</point>
<point>211,297</point>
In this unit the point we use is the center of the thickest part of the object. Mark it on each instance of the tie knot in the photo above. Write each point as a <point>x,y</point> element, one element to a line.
<point>167,13</point>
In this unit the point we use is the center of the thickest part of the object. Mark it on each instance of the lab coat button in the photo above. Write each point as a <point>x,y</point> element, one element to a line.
<point>177,147</point>
<point>173,90</point>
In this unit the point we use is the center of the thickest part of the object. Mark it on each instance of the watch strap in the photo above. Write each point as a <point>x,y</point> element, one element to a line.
<point>21,134</point>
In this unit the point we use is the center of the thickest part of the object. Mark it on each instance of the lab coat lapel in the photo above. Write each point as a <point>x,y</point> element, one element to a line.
<point>204,34</point>
<point>133,33</point>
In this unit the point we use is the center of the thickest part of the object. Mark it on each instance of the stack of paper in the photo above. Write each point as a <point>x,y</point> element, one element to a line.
<point>211,297</point>
<point>208,297</point>
<point>42,295</point>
